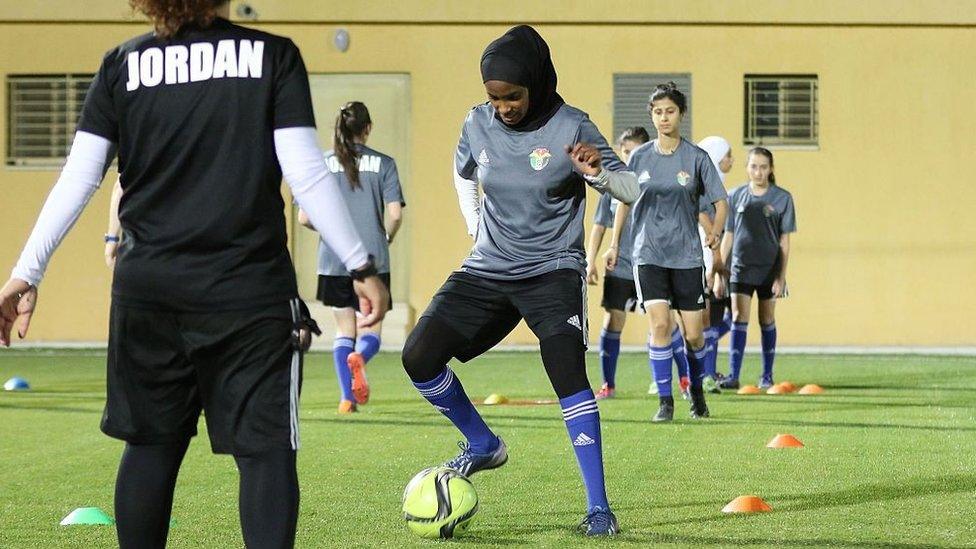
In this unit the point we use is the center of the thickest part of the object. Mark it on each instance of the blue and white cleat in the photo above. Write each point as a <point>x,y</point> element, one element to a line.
<point>765,383</point>
<point>599,522</point>
<point>468,463</point>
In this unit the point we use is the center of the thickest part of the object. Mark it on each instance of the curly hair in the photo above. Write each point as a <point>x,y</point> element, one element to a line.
<point>169,16</point>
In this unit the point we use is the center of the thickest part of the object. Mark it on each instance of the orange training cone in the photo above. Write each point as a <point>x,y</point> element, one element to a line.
<point>777,389</point>
<point>810,389</point>
<point>748,390</point>
<point>785,441</point>
<point>788,386</point>
<point>747,504</point>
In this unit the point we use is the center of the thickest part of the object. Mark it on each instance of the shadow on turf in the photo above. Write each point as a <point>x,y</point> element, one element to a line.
<point>62,409</point>
<point>718,421</point>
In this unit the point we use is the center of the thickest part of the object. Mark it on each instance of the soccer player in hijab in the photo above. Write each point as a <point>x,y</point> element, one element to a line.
<point>205,117</point>
<point>533,156</point>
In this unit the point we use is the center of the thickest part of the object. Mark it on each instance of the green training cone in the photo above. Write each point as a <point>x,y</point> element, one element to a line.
<point>86,515</point>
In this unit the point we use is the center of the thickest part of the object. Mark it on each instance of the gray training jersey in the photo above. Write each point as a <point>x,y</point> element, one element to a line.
<point>379,184</point>
<point>532,210</point>
<point>757,222</point>
<point>606,209</point>
<point>665,216</point>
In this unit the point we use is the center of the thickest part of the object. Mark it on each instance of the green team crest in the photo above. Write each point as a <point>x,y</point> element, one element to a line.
<point>683,178</point>
<point>539,158</point>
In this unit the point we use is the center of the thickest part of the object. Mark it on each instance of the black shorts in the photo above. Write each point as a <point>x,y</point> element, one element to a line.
<point>243,368</point>
<point>717,310</point>
<point>763,291</point>
<point>485,311</point>
<point>619,294</point>
<point>683,289</point>
<point>336,291</point>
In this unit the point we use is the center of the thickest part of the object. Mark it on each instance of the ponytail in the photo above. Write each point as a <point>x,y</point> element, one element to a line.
<point>352,121</point>
<point>762,151</point>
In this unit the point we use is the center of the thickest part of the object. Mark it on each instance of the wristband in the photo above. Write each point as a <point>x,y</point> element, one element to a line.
<point>111,238</point>
<point>365,271</point>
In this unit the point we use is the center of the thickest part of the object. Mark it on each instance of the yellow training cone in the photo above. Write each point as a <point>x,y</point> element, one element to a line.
<point>496,398</point>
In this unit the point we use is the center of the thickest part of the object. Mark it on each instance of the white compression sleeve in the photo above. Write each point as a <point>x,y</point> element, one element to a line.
<point>317,191</point>
<point>621,185</point>
<point>467,191</point>
<point>80,178</point>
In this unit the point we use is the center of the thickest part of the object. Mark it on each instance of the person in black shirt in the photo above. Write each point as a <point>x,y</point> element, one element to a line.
<point>206,117</point>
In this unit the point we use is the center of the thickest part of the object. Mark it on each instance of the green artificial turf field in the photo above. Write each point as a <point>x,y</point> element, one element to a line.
<point>890,459</point>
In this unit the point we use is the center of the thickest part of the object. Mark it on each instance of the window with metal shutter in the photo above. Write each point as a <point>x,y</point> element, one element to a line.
<point>42,114</point>
<point>781,110</point>
<point>630,94</point>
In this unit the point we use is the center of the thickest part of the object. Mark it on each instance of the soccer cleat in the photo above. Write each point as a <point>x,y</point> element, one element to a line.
<point>664,413</point>
<point>710,385</point>
<point>605,392</point>
<point>347,407</point>
<point>599,522</point>
<point>699,412</point>
<point>360,387</point>
<point>729,383</point>
<point>652,390</point>
<point>468,463</point>
<point>765,383</point>
<point>684,384</point>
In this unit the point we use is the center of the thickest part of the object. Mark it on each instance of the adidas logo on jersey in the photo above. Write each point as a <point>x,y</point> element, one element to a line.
<point>644,177</point>
<point>575,321</point>
<point>483,157</point>
<point>583,440</point>
<point>200,61</point>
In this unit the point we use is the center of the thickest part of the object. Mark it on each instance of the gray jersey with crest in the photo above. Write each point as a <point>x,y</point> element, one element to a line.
<point>757,223</point>
<point>606,209</point>
<point>379,184</point>
<point>665,216</point>
<point>532,210</point>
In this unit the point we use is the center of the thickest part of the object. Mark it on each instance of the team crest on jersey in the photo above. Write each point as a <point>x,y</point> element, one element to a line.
<point>643,177</point>
<point>683,178</point>
<point>769,210</point>
<point>483,158</point>
<point>539,158</point>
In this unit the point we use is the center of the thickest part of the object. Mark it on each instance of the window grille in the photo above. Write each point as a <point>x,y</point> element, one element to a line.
<point>42,114</point>
<point>781,110</point>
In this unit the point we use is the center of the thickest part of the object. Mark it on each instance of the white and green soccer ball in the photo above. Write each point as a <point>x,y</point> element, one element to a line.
<point>439,502</point>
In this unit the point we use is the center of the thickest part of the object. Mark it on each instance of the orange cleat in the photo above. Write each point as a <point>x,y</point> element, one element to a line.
<point>347,407</point>
<point>606,392</point>
<point>360,387</point>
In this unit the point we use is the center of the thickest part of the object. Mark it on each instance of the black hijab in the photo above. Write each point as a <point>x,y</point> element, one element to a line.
<point>521,56</point>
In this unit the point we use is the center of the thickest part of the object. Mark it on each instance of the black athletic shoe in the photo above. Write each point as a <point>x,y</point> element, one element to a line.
<point>664,413</point>
<point>729,383</point>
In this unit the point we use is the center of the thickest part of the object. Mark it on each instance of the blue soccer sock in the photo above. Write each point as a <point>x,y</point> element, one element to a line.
<point>737,346</point>
<point>660,362</point>
<point>609,352</point>
<point>768,350</point>
<point>583,423</point>
<point>696,365</point>
<point>711,345</point>
<point>341,348</point>
<point>368,345</point>
<point>446,394</point>
<point>678,350</point>
<point>726,325</point>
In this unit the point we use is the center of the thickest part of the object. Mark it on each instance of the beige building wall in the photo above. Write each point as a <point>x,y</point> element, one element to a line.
<point>886,241</point>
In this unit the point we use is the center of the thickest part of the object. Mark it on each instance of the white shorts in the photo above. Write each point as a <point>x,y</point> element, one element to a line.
<point>706,253</point>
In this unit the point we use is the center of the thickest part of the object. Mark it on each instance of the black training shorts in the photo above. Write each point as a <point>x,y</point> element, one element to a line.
<point>243,368</point>
<point>337,291</point>
<point>684,289</point>
<point>619,294</point>
<point>484,310</point>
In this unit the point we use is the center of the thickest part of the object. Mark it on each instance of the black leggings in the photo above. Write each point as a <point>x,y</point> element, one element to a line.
<point>433,343</point>
<point>147,477</point>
